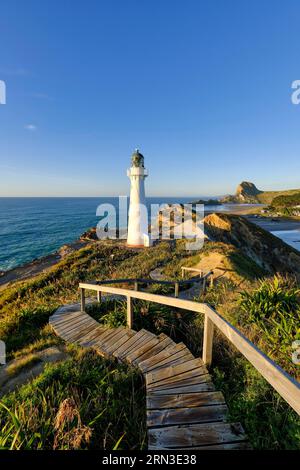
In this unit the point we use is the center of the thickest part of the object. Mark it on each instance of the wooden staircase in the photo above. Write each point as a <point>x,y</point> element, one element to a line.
<point>184,411</point>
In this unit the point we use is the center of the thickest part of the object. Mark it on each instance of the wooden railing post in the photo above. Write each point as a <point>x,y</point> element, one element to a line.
<point>82,299</point>
<point>208,335</point>
<point>136,285</point>
<point>176,294</point>
<point>98,296</point>
<point>129,312</point>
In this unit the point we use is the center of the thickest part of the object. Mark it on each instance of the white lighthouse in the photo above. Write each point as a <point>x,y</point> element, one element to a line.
<point>137,218</point>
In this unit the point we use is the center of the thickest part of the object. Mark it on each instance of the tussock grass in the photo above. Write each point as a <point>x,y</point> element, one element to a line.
<point>84,402</point>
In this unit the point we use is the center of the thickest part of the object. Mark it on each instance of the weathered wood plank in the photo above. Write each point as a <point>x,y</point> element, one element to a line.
<point>165,354</point>
<point>110,333</point>
<point>80,333</point>
<point>172,371</point>
<point>129,334</point>
<point>140,343</point>
<point>94,340</point>
<point>69,324</point>
<point>65,332</point>
<point>177,358</point>
<point>244,445</point>
<point>110,342</point>
<point>74,335</point>
<point>134,355</point>
<point>129,343</point>
<point>162,344</point>
<point>99,330</point>
<point>182,380</point>
<point>63,317</point>
<point>193,435</point>
<point>177,400</point>
<point>193,388</point>
<point>174,362</point>
<point>176,416</point>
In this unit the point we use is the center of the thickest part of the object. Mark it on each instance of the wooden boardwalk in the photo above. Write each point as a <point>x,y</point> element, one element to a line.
<point>184,411</point>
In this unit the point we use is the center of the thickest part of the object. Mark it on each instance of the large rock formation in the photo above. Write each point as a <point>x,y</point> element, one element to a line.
<point>268,251</point>
<point>246,192</point>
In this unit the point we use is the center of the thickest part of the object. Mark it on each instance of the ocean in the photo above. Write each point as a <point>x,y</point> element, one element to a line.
<point>35,227</point>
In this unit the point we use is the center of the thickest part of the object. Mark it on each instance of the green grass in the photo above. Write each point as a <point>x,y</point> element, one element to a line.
<point>268,314</point>
<point>290,200</point>
<point>266,197</point>
<point>272,311</point>
<point>106,401</point>
<point>268,420</point>
<point>82,403</point>
<point>26,306</point>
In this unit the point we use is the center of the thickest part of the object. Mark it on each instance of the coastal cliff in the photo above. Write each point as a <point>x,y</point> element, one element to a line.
<point>268,251</point>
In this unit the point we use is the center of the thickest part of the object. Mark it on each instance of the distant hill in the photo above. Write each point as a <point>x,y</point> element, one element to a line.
<point>248,193</point>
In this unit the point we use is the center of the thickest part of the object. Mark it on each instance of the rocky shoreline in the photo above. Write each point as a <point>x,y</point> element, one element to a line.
<point>38,265</point>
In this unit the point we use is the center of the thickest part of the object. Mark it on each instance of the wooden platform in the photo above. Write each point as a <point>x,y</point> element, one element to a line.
<point>184,411</point>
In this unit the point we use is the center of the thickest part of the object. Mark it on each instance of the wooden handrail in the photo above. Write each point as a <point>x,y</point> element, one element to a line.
<point>282,382</point>
<point>152,281</point>
<point>175,283</point>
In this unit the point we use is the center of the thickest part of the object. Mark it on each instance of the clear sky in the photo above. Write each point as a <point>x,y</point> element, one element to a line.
<point>202,88</point>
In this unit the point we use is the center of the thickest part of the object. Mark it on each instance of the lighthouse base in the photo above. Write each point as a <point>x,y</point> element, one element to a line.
<point>147,242</point>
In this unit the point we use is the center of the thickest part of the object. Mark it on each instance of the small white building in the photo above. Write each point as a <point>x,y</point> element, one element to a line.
<point>138,234</point>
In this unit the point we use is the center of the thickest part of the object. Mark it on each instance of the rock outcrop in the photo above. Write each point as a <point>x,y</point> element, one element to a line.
<point>246,192</point>
<point>268,251</point>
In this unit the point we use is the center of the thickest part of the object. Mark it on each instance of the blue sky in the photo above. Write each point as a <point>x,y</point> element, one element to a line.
<point>203,88</point>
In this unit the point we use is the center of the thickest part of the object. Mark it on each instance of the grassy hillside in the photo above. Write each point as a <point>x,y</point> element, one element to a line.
<point>87,402</point>
<point>266,197</point>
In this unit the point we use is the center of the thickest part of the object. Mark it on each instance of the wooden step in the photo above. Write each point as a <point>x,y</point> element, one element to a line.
<point>64,318</point>
<point>194,435</point>
<point>125,347</point>
<point>111,348</point>
<point>180,381</point>
<point>184,411</point>
<point>176,416</point>
<point>150,363</point>
<point>134,355</point>
<point>179,400</point>
<point>162,344</point>
<point>171,372</point>
<point>141,342</point>
<point>177,357</point>
<point>206,386</point>
<point>87,338</point>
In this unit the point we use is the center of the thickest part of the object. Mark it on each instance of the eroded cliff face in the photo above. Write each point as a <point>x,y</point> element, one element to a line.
<point>246,192</point>
<point>268,251</point>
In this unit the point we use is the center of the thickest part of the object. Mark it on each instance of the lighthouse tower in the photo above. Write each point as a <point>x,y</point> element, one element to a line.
<point>137,217</point>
